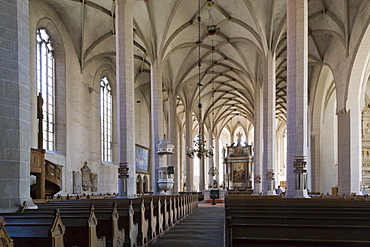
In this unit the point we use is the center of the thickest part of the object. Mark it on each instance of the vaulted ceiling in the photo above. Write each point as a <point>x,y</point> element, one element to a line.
<point>231,59</point>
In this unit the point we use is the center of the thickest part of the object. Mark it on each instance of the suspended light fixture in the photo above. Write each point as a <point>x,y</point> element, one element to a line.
<point>210,3</point>
<point>199,148</point>
<point>212,30</point>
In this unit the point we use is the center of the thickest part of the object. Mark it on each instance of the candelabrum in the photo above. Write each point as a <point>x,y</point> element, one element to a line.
<point>199,149</point>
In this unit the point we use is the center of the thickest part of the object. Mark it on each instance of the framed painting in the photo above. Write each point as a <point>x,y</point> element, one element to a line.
<point>141,159</point>
<point>239,171</point>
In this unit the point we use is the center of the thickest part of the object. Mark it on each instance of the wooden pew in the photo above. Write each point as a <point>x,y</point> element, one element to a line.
<point>273,221</point>
<point>148,214</point>
<point>82,223</point>
<point>139,214</point>
<point>134,228</point>
<point>109,222</point>
<point>153,220</point>
<point>4,236</point>
<point>33,231</point>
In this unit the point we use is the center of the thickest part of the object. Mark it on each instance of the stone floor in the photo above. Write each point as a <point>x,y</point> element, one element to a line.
<point>204,227</point>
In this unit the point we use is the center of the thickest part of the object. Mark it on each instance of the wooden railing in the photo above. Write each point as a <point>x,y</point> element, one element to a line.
<point>48,179</point>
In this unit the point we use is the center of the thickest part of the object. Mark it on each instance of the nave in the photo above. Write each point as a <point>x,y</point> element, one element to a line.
<point>182,221</point>
<point>204,227</point>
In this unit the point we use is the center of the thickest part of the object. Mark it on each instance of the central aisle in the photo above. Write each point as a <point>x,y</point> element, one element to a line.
<point>204,227</point>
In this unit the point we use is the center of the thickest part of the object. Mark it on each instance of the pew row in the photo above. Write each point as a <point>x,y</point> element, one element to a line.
<point>276,221</point>
<point>109,221</point>
<point>33,231</point>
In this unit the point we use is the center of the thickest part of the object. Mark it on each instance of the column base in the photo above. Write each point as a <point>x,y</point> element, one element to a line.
<point>270,192</point>
<point>122,195</point>
<point>31,205</point>
<point>301,194</point>
<point>17,206</point>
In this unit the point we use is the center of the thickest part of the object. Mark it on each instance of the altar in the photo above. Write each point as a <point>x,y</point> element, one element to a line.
<point>238,167</point>
<point>208,196</point>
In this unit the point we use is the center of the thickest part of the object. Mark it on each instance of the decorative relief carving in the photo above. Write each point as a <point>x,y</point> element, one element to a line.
<point>366,147</point>
<point>86,182</point>
<point>365,158</point>
<point>3,242</point>
<point>365,173</point>
<point>270,175</point>
<point>366,123</point>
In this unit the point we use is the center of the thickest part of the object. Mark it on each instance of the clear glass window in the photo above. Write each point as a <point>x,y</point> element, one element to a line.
<point>46,85</point>
<point>106,119</point>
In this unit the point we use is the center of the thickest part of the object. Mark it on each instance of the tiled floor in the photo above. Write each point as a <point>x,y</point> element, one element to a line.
<point>204,227</point>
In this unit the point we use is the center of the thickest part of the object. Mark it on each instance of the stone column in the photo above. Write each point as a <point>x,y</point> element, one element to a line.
<point>297,99</point>
<point>217,160</point>
<point>201,161</point>
<point>189,169</point>
<point>269,125</point>
<point>173,137</point>
<point>15,106</point>
<point>258,140</point>
<point>157,121</point>
<point>125,98</point>
<point>349,151</point>
<point>210,159</point>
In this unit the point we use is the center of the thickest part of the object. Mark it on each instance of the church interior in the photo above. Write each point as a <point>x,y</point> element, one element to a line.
<point>135,98</point>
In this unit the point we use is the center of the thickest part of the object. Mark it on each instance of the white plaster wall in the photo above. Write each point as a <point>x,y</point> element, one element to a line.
<point>142,126</point>
<point>82,107</point>
<point>142,119</point>
<point>329,163</point>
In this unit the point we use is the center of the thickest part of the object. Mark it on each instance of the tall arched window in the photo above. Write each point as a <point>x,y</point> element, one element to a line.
<point>46,85</point>
<point>106,119</point>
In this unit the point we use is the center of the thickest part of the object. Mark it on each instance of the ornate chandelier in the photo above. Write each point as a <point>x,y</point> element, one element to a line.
<point>199,148</point>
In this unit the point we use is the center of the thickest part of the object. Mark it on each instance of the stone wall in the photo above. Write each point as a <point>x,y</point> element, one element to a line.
<point>80,129</point>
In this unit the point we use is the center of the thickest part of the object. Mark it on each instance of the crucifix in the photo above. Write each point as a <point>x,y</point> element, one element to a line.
<point>40,116</point>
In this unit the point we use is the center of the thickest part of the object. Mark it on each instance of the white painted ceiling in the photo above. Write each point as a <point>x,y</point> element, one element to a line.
<point>231,60</point>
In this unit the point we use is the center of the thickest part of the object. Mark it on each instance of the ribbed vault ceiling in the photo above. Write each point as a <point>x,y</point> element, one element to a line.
<point>231,60</point>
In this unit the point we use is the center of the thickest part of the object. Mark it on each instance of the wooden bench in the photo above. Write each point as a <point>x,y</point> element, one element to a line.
<point>33,231</point>
<point>4,236</point>
<point>83,223</point>
<point>129,222</point>
<point>156,215</point>
<point>275,221</point>
<point>114,228</point>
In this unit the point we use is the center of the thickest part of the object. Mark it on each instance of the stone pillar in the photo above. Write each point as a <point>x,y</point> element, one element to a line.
<point>173,137</point>
<point>349,154</point>
<point>269,125</point>
<point>189,170</point>
<point>125,97</point>
<point>157,121</point>
<point>15,104</point>
<point>217,160</point>
<point>297,97</point>
<point>258,140</point>
<point>202,161</point>
<point>210,159</point>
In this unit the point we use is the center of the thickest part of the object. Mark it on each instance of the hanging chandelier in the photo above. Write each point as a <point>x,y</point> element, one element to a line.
<point>199,149</point>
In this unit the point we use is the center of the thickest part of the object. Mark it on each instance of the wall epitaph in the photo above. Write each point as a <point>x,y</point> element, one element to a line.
<point>86,171</point>
<point>89,180</point>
